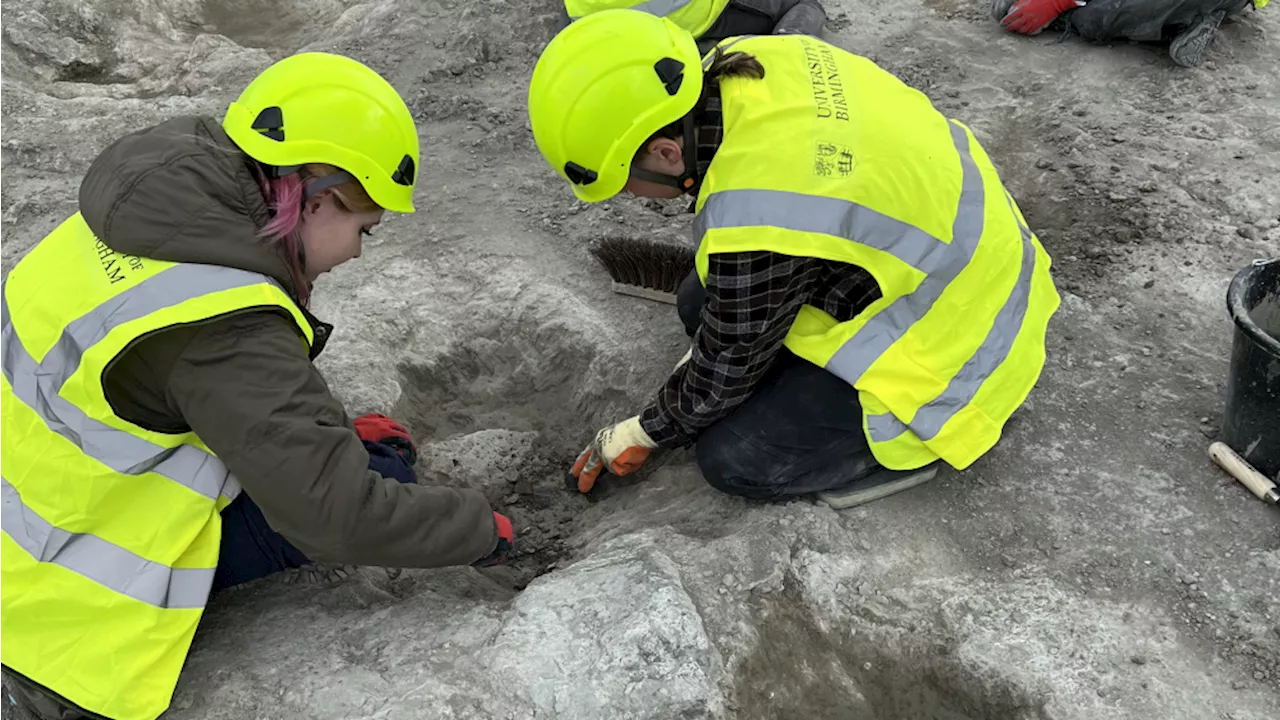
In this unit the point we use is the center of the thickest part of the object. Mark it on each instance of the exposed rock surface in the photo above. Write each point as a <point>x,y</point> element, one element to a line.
<point>1095,565</point>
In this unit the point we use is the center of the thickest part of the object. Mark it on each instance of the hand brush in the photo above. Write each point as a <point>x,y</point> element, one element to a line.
<point>644,268</point>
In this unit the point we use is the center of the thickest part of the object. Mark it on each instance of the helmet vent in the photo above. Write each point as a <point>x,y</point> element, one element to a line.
<point>579,175</point>
<point>270,122</point>
<point>404,174</point>
<point>671,73</point>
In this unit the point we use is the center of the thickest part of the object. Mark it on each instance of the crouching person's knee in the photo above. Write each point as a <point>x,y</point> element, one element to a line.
<point>734,465</point>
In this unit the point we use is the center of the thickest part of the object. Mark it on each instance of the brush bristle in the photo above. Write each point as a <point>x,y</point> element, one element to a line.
<point>644,263</point>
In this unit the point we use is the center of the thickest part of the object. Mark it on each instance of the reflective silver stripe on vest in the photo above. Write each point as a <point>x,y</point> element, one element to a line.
<point>825,215</point>
<point>102,562</point>
<point>993,351</point>
<point>37,384</point>
<point>661,8</point>
<point>888,326</point>
<point>941,262</point>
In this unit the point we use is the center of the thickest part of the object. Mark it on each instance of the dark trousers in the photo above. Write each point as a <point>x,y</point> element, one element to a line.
<point>799,433</point>
<point>251,549</point>
<point>1143,20</point>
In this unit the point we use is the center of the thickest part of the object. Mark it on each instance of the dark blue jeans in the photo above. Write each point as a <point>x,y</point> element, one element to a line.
<point>799,433</point>
<point>251,549</point>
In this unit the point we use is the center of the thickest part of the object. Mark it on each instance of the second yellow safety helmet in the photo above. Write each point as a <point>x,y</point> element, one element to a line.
<point>602,87</point>
<point>323,108</point>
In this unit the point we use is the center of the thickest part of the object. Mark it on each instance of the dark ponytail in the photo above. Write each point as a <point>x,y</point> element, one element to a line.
<point>733,64</point>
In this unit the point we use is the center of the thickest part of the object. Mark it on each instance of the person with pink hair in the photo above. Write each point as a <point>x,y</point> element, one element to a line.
<point>165,431</point>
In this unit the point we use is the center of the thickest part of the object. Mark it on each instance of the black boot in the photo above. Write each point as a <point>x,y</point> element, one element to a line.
<point>1189,47</point>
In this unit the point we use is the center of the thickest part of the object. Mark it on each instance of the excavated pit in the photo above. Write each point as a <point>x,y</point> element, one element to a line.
<point>799,670</point>
<point>504,415</point>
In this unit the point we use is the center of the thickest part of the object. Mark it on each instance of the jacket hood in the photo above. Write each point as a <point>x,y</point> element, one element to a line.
<point>182,191</point>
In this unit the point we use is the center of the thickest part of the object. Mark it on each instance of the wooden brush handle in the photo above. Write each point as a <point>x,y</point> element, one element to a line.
<point>1240,469</point>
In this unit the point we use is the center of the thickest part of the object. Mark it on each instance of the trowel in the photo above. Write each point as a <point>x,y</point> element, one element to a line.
<point>1241,470</point>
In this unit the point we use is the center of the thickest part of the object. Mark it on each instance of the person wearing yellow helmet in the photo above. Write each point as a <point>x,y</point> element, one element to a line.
<point>1188,26</point>
<point>711,21</point>
<point>165,432</point>
<point>868,302</point>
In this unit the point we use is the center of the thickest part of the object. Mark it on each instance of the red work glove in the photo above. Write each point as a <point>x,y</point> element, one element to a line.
<point>378,428</point>
<point>1028,17</point>
<point>506,543</point>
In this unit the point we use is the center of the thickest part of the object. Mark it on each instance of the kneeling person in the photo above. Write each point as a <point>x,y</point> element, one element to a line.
<point>868,299</point>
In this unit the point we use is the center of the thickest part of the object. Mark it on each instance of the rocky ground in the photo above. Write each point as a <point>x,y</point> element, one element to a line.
<point>1094,565</point>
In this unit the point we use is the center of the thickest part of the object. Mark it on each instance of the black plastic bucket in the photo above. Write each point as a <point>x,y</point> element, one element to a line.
<point>1251,422</point>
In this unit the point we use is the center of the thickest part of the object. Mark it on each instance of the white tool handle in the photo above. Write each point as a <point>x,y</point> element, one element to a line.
<point>1240,469</point>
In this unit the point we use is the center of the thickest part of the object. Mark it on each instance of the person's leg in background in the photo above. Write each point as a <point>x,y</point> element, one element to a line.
<point>800,433</point>
<point>1188,26</point>
<point>1192,39</point>
<point>251,549</point>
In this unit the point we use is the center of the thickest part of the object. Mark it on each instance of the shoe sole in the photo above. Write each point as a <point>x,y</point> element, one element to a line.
<point>1196,42</point>
<point>879,485</point>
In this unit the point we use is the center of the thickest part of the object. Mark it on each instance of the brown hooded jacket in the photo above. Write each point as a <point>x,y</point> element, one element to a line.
<point>182,191</point>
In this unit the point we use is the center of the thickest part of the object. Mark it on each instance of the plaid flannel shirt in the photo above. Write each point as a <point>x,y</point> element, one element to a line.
<point>752,300</point>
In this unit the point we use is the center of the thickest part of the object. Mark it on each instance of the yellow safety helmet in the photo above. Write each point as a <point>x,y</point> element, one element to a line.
<point>602,87</point>
<point>323,108</point>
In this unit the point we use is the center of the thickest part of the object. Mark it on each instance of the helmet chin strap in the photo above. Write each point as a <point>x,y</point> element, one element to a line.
<point>313,188</point>
<point>688,181</point>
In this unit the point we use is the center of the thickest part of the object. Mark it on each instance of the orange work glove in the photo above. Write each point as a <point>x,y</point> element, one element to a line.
<point>623,448</point>
<point>506,543</point>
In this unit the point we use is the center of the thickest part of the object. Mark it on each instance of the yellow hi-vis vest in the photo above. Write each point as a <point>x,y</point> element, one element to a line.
<point>696,16</point>
<point>110,532</point>
<point>831,157</point>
